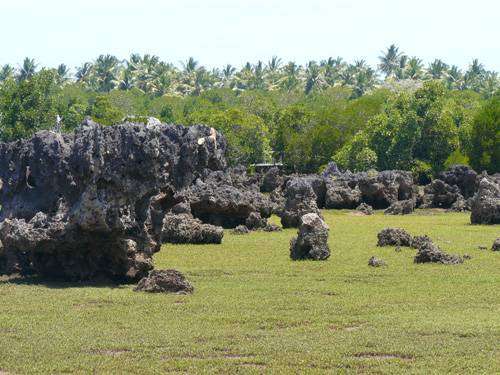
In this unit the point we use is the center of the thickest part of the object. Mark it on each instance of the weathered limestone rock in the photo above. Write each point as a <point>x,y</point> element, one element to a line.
<point>227,199</point>
<point>439,194</point>
<point>272,180</point>
<point>241,229</point>
<point>494,247</point>
<point>184,228</point>
<point>299,200</point>
<point>486,203</point>
<point>312,239</point>
<point>365,209</point>
<point>340,195</point>
<point>79,206</point>
<point>401,207</point>
<point>428,252</point>
<point>381,189</point>
<point>461,176</point>
<point>376,262</point>
<point>394,237</point>
<point>164,281</point>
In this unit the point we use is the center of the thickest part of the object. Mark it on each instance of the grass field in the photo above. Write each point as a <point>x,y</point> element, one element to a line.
<point>256,311</point>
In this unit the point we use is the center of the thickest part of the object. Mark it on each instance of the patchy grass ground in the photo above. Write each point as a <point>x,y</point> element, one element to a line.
<point>255,311</point>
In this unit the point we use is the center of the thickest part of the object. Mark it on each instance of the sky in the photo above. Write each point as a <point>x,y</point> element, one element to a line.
<point>218,32</point>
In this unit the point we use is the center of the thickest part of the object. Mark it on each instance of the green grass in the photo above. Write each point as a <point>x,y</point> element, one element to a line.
<point>256,311</point>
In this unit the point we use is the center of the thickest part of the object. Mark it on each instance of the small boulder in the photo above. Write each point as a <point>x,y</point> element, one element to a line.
<point>428,252</point>
<point>365,209</point>
<point>394,237</point>
<point>255,221</point>
<point>486,203</point>
<point>300,199</point>
<point>401,207</point>
<point>241,229</point>
<point>376,262</point>
<point>164,281</point>
<point>312,239</point>
<point>496,245</point>
<point>272,228</point>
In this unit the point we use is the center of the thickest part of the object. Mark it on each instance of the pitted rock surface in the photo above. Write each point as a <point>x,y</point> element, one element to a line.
<point>299,200</point>
<point>79,206</point>
<point>164,281</point>
<point>486,203</point>
<point>394,237</point>
<point>312,239</point>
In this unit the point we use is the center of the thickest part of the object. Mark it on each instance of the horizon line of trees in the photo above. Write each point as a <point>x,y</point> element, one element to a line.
<point>154,77</point>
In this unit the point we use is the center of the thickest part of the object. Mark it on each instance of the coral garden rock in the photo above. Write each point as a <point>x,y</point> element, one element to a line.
<point>365,209</point>
<point>401,207</point>
<point>241,229</point>
<point>312,239</point>
<point>485,207</point>
<point>164,281</point>
<point>272,180</point>
<point>494,247</point>
<point>299,200</point>
<point>439,194</point>
<point>227,199</point>
<point>428,252</point>
<point>394,237</point>
<point>461,176</point>
<point>184,228</point>
<point>79,206</point>
<point>376,262</point>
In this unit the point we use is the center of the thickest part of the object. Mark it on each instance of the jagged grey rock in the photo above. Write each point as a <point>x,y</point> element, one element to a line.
<point>184,228</point>
<point>365,209</point>
<point>299,200</point>
<point>401,207</point>
<point>381,189</point>
<point>340,195</point>
<point>394,237</point>
<point>241,229</point>
<point>439,194</point>
<point>428,252</point>
<point>486,203</point>
<point>165,281</point>
<point>461,176</point>
<point>79,206</point>
<point>254,221</point>
<point>376,262</point>
<point>312,239</point>
<point>494,247</point>
<point>227,199</point>
<point>272,180</point>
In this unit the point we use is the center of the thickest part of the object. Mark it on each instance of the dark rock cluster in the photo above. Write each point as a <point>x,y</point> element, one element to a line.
<point>401,207</point>
<point>376,262</point>
<point>428,252</point>
<point>365,209</point>
<point>496,245</point>
<point>80,206</point>
<point>312,239</point>
<point>300,199</point>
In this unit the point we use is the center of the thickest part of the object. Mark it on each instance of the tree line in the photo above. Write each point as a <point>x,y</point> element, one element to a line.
<point>398,115</point>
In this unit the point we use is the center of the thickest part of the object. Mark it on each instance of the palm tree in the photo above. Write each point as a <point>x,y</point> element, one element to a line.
<point>454,78</point>
<point>401,69</point>
<point>227,76</point>
<point>437,69</point>
<point>27,70</point>
<point>63,75</point>
<point>314,80</point>
<point>364,80</point>
<point>389,61</point>
<point>106,70</point>
<point>490,84</point>
<point>6,72</point>
<point>84,73</point>
<point>190,65</point>
<point>474,76</point>
<point>414,68</point>
<point>290,79</point>
<point>332,70</point>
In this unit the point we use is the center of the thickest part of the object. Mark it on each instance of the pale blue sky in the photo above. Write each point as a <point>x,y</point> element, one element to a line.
<point>217,32</point>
